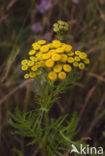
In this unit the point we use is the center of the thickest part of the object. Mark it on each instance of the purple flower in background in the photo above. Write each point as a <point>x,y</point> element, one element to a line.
<point>37,27</point>
<point>102,2</point>
<point>75,1</point>
<point>44,6</point>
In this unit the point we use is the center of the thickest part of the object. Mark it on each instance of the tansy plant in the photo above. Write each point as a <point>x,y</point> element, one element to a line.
<point>60,27</point>
<point>52,68</point>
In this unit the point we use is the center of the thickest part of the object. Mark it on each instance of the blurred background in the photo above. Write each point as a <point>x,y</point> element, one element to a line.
<point>21,23</point>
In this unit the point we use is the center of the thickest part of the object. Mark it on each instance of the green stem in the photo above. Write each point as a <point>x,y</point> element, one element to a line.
<point>45,108</point>
<point>59,35</point>
<point>46,118</point>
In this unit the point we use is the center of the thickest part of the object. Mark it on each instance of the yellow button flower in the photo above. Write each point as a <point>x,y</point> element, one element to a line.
<point>62,75</point>
<point>70,60</point>
<point>83,55</point>
<point>41,42</point>
<point>39,56</point>
<point>70,53</point>
<point>34,68</point>
<point>56,29</point>
<point>46,56</point>
<point>81,66</point>
<point>56,43</point>
<point>63,45</point>
<point>44,49</point>
<point>36,46</point>
<point>24,62</point>
<point>77,52</point>
<point>75,64</point>
<point>56,57</point>
<point>24,67</point>
<point>32,52</point>
<point>60,50</point>
<point>57,68</point>
<point>49,63</point>
<point>50,45</point>
<point>26,76</point>
<point>61,27</point>
<point>76,58</point>
<point>86,61</point>
<point>33,58</point>
<point>64,57</point>
<point>52,75</point>
<point>38,64</point>
<point>68,48</point>
<point>30,63</point>
<point>32,74</point>
<point>67,68</point>
<point>53,51</point>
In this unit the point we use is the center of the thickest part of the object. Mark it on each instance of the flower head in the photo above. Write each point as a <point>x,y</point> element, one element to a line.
<point>52,75</point>
<point>37,27</point>
<point>60,26</point>
<point>44,6</point>
<point>55,59</point>
<point>62,75</point>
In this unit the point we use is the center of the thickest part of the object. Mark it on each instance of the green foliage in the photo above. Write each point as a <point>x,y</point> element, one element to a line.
<point>60,134</point>
<point>55,136</point>
<point>17,152</point>
<point>49,91</point>
<point>25,124</point>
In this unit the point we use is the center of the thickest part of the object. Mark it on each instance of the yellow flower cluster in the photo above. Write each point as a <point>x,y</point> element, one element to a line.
<point>56,59</point>
<point>60,26</point>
